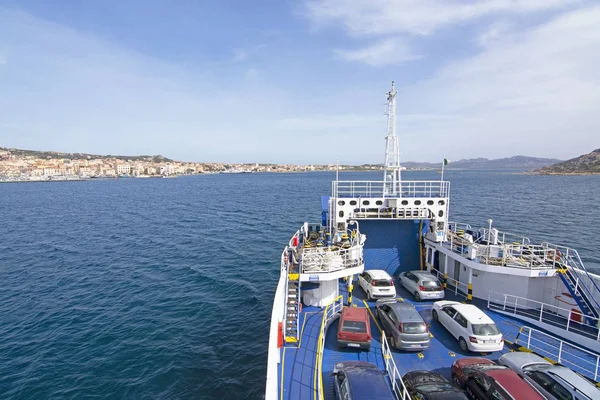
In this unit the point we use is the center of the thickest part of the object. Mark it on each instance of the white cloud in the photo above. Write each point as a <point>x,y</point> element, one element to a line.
<point>384,52</point>
<point>239,55</point>
<point>494,33</point>
<point>422,17</point>
<point>535,92</point>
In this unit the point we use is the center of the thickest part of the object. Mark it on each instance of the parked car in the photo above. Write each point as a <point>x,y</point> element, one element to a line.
<point>553,381</point>
<point>360,380</point>
<point>426,385</point>
<point>483,379</point>
<point>354,328</point>
<point>403,325</point>
<point>473,329</point>
<point>377,284</point>
<point>422,284</point>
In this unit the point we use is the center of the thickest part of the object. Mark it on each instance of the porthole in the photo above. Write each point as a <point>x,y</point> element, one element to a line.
<point>352,202</point>
<point>441,213</point>
<point>341,203</point>
<point>366,202</point>
<point>341,214</point>
<point>404,202</point>
<point>417,202</point>
<point>441,202</point>
<point>429,202</point>
<point>379,202</point>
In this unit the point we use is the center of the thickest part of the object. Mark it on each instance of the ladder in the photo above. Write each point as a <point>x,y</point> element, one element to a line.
<point>569,278</point>
<point>292,305</point>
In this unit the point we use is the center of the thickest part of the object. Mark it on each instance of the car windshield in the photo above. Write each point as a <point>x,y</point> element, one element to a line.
<point>414,327</point>
<point>485,329</point>
<point>382,282</point>
<point>354,326</point>
<point>431,284</point>
<point>436,387</point>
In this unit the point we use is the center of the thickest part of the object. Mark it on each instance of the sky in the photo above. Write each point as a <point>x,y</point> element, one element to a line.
<point>302,81</point>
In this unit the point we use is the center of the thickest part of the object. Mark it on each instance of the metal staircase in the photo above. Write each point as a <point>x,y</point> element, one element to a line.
<point>292,306</point>
<point>578,291</point>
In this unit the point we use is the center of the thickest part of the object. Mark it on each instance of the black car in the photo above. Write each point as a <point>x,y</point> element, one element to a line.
<point>425,385</point>
<point>357,380</point>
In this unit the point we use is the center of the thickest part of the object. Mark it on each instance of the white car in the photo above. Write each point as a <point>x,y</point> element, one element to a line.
<point>377,284</point>
<point>473,329</point>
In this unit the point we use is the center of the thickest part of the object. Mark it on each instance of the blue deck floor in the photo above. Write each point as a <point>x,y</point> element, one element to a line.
<point>298,367</point>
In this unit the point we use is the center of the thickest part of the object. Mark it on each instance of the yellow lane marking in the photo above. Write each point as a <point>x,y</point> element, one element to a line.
<point>372,316</point>
<point>484,354</point>
<point>421,355</point>
<point>282,363</point>
<point>451,354</point>
<point>400,298</point>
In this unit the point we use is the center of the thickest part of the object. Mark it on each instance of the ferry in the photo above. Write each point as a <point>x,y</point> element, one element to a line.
<point>539,295</point>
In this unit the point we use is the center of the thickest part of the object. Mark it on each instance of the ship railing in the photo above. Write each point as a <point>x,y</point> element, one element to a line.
<point>569,258</point>
<point>330,312</point>
<point>486,235</point>
<point>452,285</point>
<point>569,355</point>
<point>323,260</point>
<point>424,189</point>
<point>569,319</point>
<point>393,373</point>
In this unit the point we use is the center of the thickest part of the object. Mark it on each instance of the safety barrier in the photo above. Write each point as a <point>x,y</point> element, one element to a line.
<point>565,353</point>
<point>323,259</point>
<point>329,313</point>
<point>570,320</point>
<point>455,286</point>
<point>387,189</point>
<point>390,366</point>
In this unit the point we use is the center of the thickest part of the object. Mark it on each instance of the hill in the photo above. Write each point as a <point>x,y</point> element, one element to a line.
<point>49,155</point>
<point>515,162</point>
<point>585,164</point>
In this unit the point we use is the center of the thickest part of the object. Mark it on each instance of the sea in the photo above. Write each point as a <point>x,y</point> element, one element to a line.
<point>162,288</point>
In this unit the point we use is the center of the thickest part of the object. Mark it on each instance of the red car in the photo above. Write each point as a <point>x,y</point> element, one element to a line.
<point>355,328</point>
<point>483,379</point>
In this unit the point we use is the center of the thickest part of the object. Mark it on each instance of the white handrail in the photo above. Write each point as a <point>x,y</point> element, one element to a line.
<point>458,286</point>
<point>323,259</point>
<point>534,309</point>
<point>386,189</point>
<point>560,351</point>
<point>390,366</point>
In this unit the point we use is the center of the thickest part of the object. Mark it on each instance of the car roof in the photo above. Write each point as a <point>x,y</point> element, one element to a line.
<point>355,313</point>
<point>424,274</point>
<point>473,314</point>
<point>406,312</point>
<point>521,359</point>
<point>513,384</point>
<point>581,384</point>
<point>378,274</point>
<point>368,383</point>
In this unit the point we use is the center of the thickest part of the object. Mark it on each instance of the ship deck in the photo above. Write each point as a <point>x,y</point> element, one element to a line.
<point>298,372</point>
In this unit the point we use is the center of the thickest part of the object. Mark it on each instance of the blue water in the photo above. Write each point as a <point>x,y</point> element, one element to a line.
<point>143,288</point>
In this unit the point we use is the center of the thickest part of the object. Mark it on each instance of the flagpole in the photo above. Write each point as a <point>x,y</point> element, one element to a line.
<point>443,164</point>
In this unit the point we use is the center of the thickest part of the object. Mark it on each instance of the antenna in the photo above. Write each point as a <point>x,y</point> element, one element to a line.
<point>391,169</point>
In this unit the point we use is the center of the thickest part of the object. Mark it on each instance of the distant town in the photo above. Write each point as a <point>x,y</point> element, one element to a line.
<point>26,165</point>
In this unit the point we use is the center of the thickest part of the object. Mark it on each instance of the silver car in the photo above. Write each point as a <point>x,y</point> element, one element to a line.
<point>422,284</point>
<point>553,381</point>
<point>403,325</point>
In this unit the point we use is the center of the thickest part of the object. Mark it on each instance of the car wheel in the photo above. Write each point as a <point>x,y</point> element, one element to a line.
<point>369,296</point>
<point>463,345</point>
<point>456,381</point>
<point>392,342</point>
<point>434,315</point>
<point>417,296</point>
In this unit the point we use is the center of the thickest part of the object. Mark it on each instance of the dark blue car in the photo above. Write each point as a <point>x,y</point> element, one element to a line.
<point>358,380</point>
